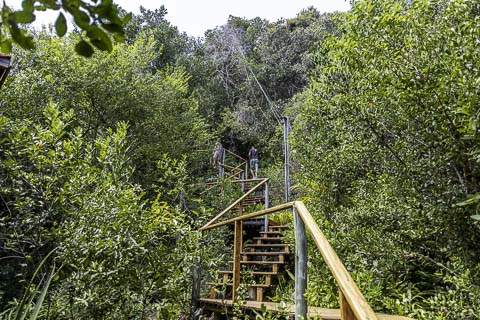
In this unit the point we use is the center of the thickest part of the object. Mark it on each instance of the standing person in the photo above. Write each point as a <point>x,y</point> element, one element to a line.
<point>253,157</point>
<point>217,157</point>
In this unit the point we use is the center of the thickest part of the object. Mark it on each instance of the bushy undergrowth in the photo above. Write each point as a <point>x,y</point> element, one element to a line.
<point>117,255</point>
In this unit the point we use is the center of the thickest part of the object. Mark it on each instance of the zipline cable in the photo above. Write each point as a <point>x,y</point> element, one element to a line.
<point>237,46</point>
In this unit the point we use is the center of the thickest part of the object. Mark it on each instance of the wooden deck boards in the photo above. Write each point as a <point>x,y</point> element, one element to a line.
<point>313,312</point>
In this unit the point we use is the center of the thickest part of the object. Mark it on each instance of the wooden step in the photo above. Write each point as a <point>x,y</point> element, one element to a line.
<point>229,284</point>
<point>275,307</point>
<point>266,277</point>
<point>254,198</point>
<point>266,248</point>
<point>247,203</point>
<point>280,255</point>
<point>255,273</point>
<point>260,239</point>
<point>255,222</point>
<point>271,233</point>
<point>262,262</point>
<point>255,291</point>
<point>271,228</point>
<point>266,245</point>
<point>264,253</point>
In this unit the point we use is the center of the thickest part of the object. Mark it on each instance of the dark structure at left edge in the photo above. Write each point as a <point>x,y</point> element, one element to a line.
<point>5,66</point>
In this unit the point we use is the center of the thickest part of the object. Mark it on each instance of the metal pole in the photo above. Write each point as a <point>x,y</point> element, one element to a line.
<point>242,177</point>
<point>196,275</point>
<point>300,266</point>
<point>222,168</point>
<point>286,126</point>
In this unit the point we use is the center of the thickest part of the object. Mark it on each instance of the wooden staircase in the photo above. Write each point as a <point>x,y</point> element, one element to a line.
<point>263,260</point>
<point>262,256</point>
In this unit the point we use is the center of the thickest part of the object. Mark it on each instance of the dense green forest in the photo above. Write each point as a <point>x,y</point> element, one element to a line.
<point>102,158</point>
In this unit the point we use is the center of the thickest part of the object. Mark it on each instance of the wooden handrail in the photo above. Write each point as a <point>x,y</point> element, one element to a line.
<point>256,214</point>
<point>348,288</point>
<point>246,194</point>
<point>355,298</point>
<point>247,180</point>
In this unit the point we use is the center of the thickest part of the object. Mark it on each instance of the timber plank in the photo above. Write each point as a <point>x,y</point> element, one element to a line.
<point>229,284</point>
<point>255,273</point>
<point>263,245</point>
<point>268,238</point>
<point>262,262</point>
<point>313,312</point>
<point>265,253</point>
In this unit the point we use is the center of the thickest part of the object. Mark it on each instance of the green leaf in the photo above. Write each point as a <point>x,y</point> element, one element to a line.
<point>19,313</point>
<point>19,35</point>
<point>471,200</point>
<point>27,5</point>
<point>127,18</point>
<point>83,48</point>
<point>61,25</point>
<point>6,46</point>
<point>41,298</point>
<point>119,37</point>
<point>82,20</point>
<point>24,17</point>
<point>475,217</point>
<point>99,38</point>
<point>112,27</point>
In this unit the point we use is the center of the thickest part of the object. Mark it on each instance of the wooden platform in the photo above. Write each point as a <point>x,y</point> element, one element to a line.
<point>313,312</point>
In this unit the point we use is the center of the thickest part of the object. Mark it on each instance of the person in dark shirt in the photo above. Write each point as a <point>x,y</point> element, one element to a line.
<point>253,157</point>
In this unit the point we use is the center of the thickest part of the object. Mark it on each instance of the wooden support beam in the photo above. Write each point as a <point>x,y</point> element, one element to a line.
<point>346,313</point>
<point>234,203</point>
<point>248,216</point>
<point>237,249</point>
<point>259,296</point>
<point>248,180</point>
<point>300,266</point>
<point>235,155</point>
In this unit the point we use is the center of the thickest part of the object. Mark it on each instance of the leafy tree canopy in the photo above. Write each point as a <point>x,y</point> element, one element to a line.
<point>386,140</point>
<point>97,19</point>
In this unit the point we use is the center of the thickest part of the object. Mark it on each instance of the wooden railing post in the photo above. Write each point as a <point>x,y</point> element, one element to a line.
<point>267,204</point>
<point>300,266</point>
<point>237,249</point>
<point>346,313</point>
